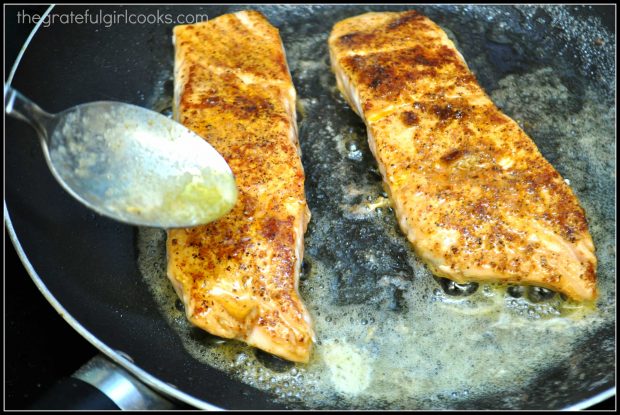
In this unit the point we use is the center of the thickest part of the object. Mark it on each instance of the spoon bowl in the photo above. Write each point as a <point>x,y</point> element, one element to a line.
<point>131,164</point>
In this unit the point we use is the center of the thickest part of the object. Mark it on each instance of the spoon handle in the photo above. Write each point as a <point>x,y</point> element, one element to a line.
<point>22,108</point>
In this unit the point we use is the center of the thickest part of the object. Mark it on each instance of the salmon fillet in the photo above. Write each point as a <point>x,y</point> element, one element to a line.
<point>470,189</point>
<point>238,276</point>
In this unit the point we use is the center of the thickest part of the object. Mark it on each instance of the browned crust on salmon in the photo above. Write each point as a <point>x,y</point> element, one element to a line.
<point>238,275</point>
<point>471,190</point>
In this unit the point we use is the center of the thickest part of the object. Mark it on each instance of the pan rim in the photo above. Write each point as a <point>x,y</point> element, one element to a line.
<point>145,377</point>
<point>150,380</point>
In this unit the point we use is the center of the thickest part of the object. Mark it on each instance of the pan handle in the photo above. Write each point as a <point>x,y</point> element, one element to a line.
<point>71,394</point>
<point>102,384</point>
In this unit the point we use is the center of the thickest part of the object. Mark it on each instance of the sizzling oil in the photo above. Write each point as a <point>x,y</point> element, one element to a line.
<point>387,335</point>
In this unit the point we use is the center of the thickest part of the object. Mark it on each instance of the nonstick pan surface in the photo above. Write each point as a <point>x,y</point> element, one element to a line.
<point>551,68</point>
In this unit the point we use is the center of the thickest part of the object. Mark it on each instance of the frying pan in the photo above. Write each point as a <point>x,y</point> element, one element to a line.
<point>87,265</point>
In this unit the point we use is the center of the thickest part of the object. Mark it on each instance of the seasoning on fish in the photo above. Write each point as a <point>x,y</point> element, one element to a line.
<point>470,189</point>
<point>238,276</point>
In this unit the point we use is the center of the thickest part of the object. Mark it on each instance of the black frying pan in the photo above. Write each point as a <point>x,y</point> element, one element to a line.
<point>86,265</point>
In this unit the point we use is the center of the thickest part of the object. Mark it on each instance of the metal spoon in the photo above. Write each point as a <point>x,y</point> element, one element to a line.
<point>131,164</point>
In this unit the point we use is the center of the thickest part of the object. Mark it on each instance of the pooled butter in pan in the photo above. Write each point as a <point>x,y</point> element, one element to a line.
<point>370,297</point>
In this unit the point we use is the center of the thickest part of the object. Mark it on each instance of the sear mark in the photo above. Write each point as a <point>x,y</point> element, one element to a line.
<point>409,118</point>
<point>453,156</point>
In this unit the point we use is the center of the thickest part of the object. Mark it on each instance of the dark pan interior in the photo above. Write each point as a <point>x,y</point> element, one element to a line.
<point>89,263</point>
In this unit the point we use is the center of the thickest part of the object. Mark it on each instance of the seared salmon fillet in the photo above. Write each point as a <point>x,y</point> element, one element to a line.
<point>238,275</point>
<point>470,189</point>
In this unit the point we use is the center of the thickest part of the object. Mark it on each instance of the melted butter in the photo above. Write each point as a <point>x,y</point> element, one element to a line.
<point>436,351</point>
<point>349,367</point>
<point>191,199</point>
<point>368,357</point>
<point>365,209</point>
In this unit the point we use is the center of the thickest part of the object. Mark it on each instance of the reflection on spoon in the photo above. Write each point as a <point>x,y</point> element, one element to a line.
<point>131,164</point>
